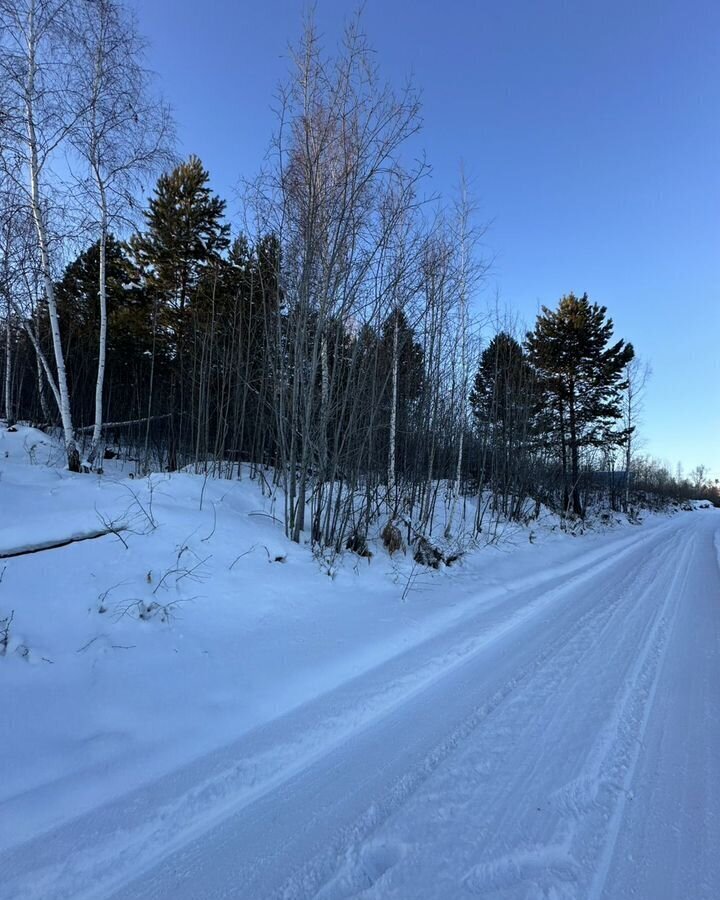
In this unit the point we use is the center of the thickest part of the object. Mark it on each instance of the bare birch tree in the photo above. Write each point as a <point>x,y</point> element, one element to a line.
<point>38,118</point>
<point>637,374</point>
<point>336,163</point>
<point>5,288</point>
<point>469,271</point>
<point>122,135</point>
<point>20,287</point>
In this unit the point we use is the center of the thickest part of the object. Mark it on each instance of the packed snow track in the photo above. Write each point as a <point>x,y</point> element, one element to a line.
<point>559,740</point>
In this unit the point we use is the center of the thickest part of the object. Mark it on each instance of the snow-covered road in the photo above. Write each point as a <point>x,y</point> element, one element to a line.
<point>560,740</point>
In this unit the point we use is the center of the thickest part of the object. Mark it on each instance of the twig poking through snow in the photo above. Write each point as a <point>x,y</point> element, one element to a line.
<point>5,632</point>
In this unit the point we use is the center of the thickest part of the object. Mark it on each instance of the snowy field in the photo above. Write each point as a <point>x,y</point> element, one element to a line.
<point>195,707</point>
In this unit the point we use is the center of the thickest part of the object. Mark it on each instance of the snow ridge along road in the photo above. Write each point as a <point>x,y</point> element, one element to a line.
<point>559,740</point>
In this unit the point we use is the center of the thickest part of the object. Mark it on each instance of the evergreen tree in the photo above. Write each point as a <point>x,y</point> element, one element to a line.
<point>180,255</point>
<point>503,402</point>
<point>129,331</point>
<point>502,390</point>
<point>250,300</point>
<point>582,378</point>
<point>184,236</point>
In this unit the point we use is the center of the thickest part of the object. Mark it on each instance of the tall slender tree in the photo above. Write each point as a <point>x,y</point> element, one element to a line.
<point>503,402</point>
<point>37,119</point>
<point>582,374</point>
<point>337,195</point>
<point>122,134</point>
<point>179,252</point>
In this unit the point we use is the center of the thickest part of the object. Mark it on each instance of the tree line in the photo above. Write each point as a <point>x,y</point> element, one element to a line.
<point>331,344</point>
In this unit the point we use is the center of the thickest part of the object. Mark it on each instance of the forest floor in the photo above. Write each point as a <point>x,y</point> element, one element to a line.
<point>194,707</point>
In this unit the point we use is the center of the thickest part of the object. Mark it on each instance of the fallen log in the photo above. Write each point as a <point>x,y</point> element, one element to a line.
<point>59,542</point>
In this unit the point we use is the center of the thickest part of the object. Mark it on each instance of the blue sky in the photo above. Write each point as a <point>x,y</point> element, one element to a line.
<point>590,130</point>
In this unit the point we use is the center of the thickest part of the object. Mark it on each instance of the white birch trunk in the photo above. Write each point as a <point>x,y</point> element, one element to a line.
<point>102,346</point>
<point>43,366</point>
<point>463,376</point>
<point>628,424</point>
<point>8,343</point>
<point>44,408</point>
<point>73,456</point>
<point>325,404</point>
<point>392,500</point>
<point>8,370</point>
<point>456,485</point>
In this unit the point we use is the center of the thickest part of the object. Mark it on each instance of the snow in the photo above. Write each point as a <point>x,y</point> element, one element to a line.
<point>538,721</point>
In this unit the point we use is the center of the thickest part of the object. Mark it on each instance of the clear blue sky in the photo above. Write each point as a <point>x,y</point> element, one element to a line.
<point>591,132</point>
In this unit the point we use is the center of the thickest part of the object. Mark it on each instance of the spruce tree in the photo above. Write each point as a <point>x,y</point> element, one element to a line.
<point>180,255</point>
<point>184,235</point>
<point>503,402</point>
<point>502,389</point>
<point>582,375</point>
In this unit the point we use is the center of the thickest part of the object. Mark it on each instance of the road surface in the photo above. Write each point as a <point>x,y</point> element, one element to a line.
<point>560,741</point>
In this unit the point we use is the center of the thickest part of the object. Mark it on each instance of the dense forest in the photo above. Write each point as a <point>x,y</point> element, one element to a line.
<point>330,343</point>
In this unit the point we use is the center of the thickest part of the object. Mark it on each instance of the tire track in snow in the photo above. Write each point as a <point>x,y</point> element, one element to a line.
<point>104,849</point>
<point>646,674</point>
<point>590,806</point>
<point>361,869</point>
<point>555,665</point>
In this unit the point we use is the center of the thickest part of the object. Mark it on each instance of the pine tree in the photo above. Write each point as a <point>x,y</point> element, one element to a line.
<point>185,233</point>
<point>503,401</point>
<point>250,287</point>
<point>180,255</point>
<point>582,378</point>
<point>501,392</point>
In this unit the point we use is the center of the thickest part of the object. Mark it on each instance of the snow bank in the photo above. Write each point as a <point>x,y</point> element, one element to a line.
<point>192,621</point>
